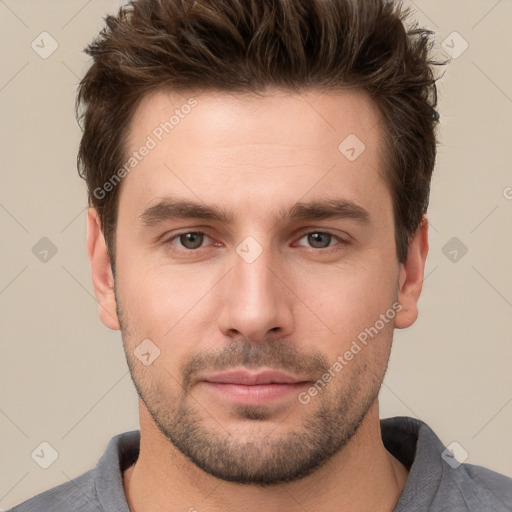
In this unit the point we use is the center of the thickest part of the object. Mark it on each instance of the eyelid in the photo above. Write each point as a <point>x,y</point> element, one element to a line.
<point>341,240</point>
<point>167,240</point>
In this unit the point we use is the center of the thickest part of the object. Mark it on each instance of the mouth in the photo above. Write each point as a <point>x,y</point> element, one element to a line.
<point>253,388</point>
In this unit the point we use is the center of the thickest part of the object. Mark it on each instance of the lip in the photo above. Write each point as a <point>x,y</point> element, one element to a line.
<point>248,388</point>
<point>251,379</point>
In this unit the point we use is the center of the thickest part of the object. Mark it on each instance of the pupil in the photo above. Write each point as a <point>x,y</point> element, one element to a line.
<point>192,240</point>
<point>315,239</point>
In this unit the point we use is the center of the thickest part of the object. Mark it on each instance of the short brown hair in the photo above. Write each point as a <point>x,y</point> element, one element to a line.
<point>248,46</point>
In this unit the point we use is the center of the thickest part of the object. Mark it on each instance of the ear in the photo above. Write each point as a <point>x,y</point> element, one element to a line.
<point>102,277</point>
<point>411,277</point>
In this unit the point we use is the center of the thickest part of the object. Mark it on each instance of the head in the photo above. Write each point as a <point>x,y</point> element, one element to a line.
<point>258,176</point>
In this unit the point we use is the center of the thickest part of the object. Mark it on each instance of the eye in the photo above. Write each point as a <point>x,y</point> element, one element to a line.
<point>321,239</point>
<point>190,240</point>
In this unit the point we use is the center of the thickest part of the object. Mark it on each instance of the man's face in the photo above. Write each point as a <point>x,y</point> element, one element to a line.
<point>267,284</point>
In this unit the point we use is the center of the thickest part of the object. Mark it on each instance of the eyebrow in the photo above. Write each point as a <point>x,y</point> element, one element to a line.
<point>174,208</point>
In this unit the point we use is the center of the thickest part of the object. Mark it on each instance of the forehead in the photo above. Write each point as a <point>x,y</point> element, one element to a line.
<point>273,117</point>
<point>277,143</point>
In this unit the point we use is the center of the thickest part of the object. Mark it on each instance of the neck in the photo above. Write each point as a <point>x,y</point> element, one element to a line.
<point>363,476</point>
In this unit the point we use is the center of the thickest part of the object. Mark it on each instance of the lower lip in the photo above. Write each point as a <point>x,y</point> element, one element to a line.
<point>257,394</point>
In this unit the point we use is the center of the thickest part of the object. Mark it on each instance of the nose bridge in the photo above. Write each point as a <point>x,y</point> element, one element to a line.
<point>252,276</point>
<point>255,300</point>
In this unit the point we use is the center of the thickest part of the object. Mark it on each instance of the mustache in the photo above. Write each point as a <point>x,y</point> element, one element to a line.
<point>277,355</point>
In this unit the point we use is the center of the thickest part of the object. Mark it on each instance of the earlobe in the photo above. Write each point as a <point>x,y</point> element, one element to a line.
<point>101,269</point>
<point>411,277</point>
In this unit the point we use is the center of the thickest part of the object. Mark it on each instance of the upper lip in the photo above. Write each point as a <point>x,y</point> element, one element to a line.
<point>252,378</point>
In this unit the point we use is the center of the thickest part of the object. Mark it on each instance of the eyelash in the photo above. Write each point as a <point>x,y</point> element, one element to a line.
<point>341,242</point>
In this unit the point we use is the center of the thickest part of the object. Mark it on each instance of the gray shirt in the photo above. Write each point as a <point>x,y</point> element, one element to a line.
<point>435,482</point>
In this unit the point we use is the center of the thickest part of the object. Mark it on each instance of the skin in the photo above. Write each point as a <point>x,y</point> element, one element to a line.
<point>296,307</point>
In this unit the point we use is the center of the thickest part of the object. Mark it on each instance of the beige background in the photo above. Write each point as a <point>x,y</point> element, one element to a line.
<point>63,377</point>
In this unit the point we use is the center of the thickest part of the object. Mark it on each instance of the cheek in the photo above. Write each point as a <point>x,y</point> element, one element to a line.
<point>178,305</point>
<point>349,297</point>
<point>164,303</point>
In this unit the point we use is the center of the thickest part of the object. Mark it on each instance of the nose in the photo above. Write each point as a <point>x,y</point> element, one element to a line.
<point>256,300</point>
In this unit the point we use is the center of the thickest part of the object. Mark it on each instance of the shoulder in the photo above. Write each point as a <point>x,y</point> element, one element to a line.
<point>78,495</point>
<point>96,490</point>
<point>437,481</point>
<point>475,488</point>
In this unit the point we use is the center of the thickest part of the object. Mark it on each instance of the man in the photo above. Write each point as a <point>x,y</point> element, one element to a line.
<point>258,176</point>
